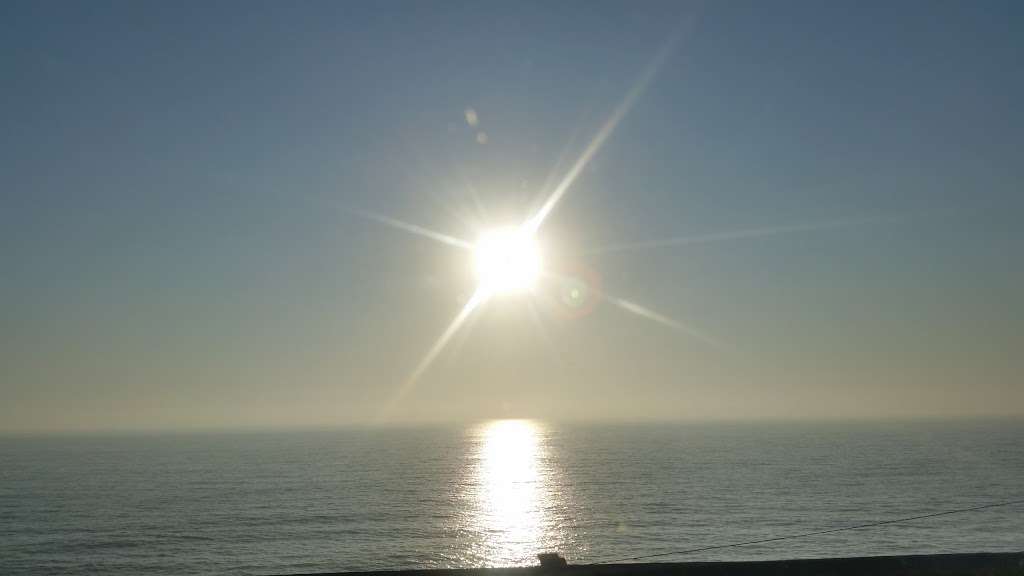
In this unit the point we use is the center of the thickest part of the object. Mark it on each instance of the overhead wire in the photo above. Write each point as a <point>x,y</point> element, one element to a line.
<point>807,534</point>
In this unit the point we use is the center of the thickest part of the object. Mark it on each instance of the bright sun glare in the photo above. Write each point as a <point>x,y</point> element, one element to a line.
<point>507,260</point>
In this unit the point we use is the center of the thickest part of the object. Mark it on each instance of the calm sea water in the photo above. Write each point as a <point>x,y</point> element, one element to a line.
<point>497,493</point>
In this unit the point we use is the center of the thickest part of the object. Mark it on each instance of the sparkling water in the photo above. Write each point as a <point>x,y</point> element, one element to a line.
<point>496,493</point>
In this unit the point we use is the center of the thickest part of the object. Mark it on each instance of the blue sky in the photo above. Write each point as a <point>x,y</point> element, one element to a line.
<point>179,246</point>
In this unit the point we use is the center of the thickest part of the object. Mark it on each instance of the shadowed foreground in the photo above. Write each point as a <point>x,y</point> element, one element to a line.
<point>990,564</point>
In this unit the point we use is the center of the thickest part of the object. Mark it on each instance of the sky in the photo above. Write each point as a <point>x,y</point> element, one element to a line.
<point>184,191</point>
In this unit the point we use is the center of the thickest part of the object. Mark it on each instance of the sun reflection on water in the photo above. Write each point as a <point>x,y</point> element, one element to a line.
<point>511,502</point>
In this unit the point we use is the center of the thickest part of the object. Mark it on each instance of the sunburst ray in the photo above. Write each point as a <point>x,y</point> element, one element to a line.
<point>647,313</point>
<point>478,298</point>
<point>414,229</point>
<point>620,111</point>
<point>737,235</point>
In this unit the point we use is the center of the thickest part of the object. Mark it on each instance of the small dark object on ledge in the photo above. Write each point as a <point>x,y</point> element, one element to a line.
<point>551,560</point>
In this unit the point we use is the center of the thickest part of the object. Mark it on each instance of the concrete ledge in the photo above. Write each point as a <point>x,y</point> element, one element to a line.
<point>986,564</point>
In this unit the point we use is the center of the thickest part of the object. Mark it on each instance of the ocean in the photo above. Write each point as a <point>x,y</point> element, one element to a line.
<point>496,493</point>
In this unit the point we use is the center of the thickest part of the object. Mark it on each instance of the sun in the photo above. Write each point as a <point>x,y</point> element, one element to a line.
<point>507,260</point>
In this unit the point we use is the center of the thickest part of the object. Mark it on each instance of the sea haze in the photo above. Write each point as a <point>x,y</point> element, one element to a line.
<point>496,493</point>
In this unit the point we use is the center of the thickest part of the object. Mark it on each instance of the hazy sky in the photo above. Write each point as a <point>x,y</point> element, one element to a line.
<point>178,245</point>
